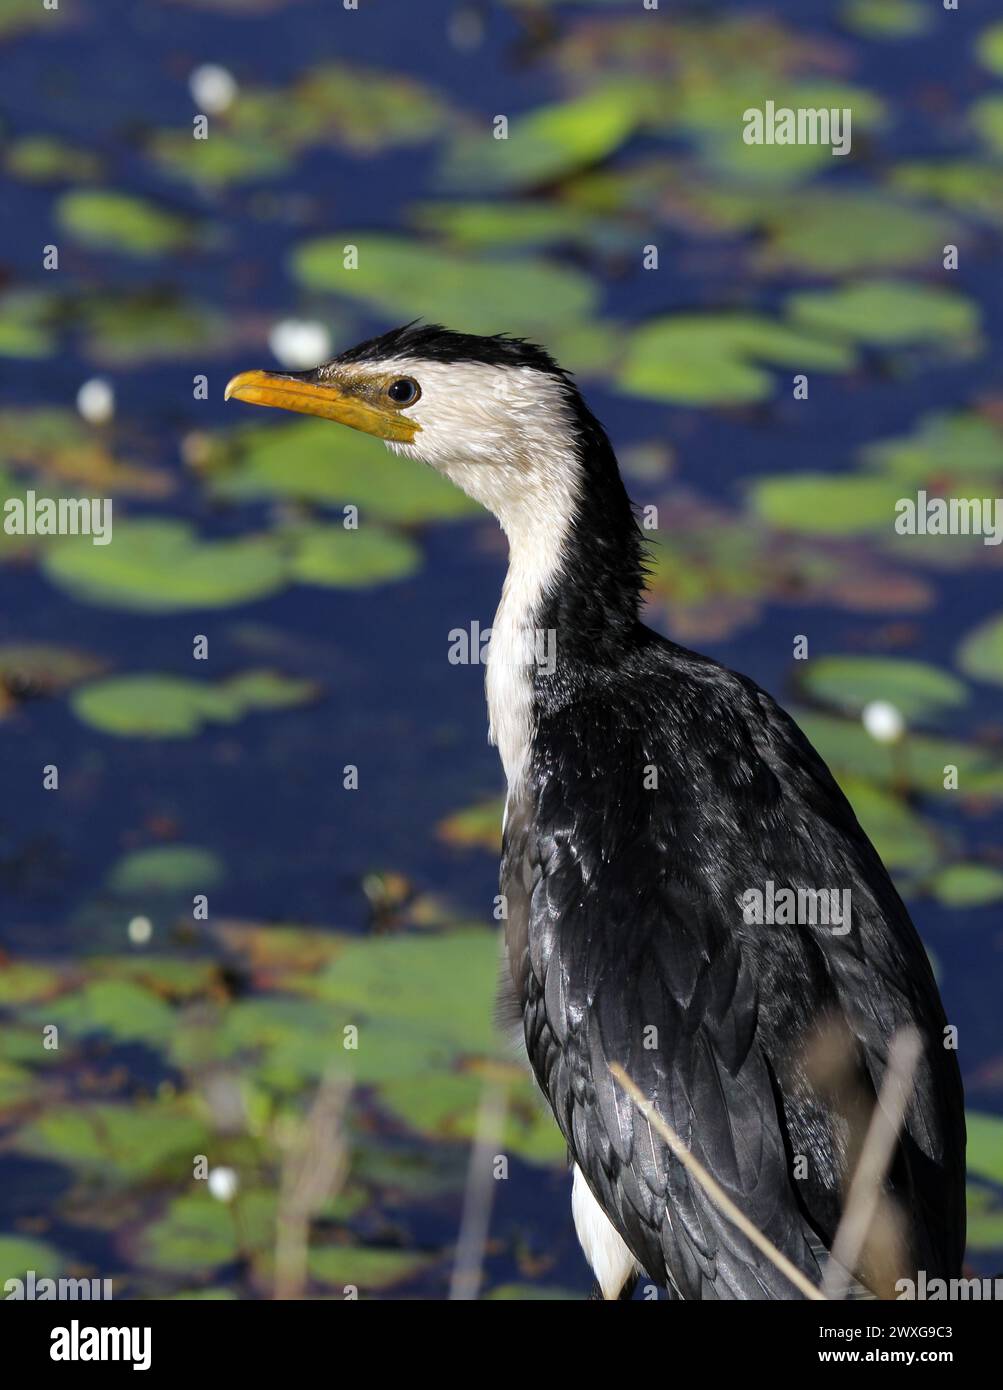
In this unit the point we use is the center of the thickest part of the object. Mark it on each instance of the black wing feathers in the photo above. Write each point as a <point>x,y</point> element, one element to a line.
<point>627,944</point>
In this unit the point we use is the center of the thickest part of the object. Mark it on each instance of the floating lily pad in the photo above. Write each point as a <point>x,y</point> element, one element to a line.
<point>166,869</point>
<point>547,143</point>
<point>715,359</point>
<point>196,1232</point>
<point>19,1254</point>
<point>967,885</point>
<point>985,1145</point>
<point>226,157</point>
<point>404,279</point>
<point>886,19</point>
<point>477,827</point>
<point>117,1007</point>
<point>985,1219</point>
<point>887,313</point>
<point>960,445</point>
<point>850,751</point>
<point>364,1267</point>
<point>120,222</point>
<point>44,159</point>
<point>823,505</point>
<point>314,461</point>
<point>971,187</point>
<point>163,567</point>
<point>989,47</point>
<point>57,444</point>
<point>151,326</point>
<point>913,687</point>
<point>156,706</point>
<point>26,325</point>
<point>140,1140</point>
<point>23,982</point>
<point>897,833</point>
<point>987,119</point>
<point>352,559</point>
<point>829,233</point>
<point>981,653</point>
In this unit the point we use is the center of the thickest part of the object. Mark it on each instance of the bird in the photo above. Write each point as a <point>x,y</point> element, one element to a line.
<point>650,790</point>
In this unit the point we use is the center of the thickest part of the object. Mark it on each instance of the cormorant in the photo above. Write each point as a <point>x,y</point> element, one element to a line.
<point>650,791</point>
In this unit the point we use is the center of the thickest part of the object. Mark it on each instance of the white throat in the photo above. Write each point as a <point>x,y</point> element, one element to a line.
<point>518,644</point>
<point>506,436</point>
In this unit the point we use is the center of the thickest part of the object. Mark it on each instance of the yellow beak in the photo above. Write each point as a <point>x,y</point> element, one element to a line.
<point>306,396</point>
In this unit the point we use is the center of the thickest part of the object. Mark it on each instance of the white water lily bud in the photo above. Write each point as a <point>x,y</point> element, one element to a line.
<point>140,930</point>
<point>299,344</point>
<point>223,1184</point>
<point>213,88</point>
<point>96,401</point>
<point>883,721</point>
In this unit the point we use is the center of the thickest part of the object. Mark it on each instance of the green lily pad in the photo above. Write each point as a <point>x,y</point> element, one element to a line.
<point>547,143</point>
<point>505,224</point>
<point>163,567</point>
<point>851,752</point>
<point>119,222</point>
<point>897,833</point>
<point>126,329</point>
<point>312,461</point>
<point>981,652</point>
<point>364,1267</point>
<point>887,313</point>
<point>699,360</point>
<point>18,1254</point>
<point>26,325</point>
<point>886,19</point>
<point>228,157</point>
<point>411,979</point>
<point>967,885</point>
<point>196,1232</point>
<point>820,504</point>
<point>352,559</point>
<point>166,869</point>
<point>45,159</point>
<point>830,233</point>
<point>985,1219</point>
<point>403,279</point>
<point>971,187</point>
<point>477,827</point>
<point>156,706</point>
<point>985,1145</point>
<point>140,1140</point>
<point>125,1011</point>
<point>22,982</point>
<point>989,48</point>
<point>958,445</point>
<point>987,120</point>
<point>851,682</point>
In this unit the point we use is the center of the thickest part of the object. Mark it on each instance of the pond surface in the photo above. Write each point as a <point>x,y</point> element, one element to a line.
<point>226,777</point>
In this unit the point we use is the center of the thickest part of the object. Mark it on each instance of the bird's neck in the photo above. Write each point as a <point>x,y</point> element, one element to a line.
<point>570,600</point>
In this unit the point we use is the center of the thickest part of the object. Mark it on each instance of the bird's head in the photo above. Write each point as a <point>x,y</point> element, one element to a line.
<point>496,415</point>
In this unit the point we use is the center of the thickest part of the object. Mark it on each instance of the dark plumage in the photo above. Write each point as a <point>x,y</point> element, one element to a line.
<point>624,914</point>
<point>433,343</point>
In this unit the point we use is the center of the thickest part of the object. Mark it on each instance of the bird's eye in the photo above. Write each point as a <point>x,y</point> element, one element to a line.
<point>403,391</point>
